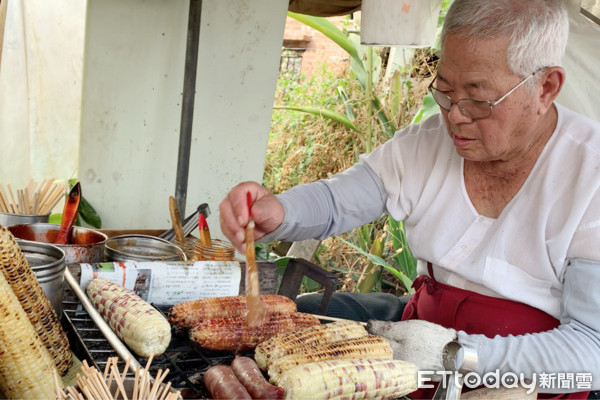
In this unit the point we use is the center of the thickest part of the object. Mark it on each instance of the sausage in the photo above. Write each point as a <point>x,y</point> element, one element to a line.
<point>222,383</point>
<point>248,373</point>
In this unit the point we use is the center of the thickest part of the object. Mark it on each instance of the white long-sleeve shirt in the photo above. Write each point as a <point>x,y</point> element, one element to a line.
<point>523,255</point>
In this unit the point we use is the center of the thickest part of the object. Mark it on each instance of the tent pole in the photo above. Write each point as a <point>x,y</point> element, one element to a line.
<point>187,105</point>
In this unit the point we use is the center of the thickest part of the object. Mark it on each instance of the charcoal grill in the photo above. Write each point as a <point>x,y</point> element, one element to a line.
<point>186,362</point>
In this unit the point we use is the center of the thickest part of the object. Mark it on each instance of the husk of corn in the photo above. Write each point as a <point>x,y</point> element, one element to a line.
<point>25,286</point>
<point>26,367</point>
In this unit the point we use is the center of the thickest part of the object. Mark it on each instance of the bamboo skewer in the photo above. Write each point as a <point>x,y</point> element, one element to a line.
<point>108,333</point>
<point>12,200</point>
<point>33,199</point>
<point>334,319</point>
<point>92,384</point>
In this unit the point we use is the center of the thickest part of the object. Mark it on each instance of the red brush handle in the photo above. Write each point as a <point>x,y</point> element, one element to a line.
<point>249,201</point>
<point>202,224</point>
<point>204,232</point>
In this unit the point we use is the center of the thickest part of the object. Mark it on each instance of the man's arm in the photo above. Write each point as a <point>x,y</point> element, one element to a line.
<point>573,347</point>
<point>332,206</point>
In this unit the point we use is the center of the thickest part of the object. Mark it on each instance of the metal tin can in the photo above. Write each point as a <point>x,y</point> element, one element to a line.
<point>48,264</point>
<point>136,247</point>
<point>8,219</point>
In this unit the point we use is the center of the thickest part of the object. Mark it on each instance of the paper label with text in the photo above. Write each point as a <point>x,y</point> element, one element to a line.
<point>169,283</point>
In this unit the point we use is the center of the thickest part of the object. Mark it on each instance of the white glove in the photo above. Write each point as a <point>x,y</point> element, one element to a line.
<point>416,341</point>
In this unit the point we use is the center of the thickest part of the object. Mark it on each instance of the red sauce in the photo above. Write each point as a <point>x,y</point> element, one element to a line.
<point>81,238</point>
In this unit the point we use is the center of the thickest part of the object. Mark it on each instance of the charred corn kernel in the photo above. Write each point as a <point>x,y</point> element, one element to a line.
<point>21,278</point>
<point>369,346</point>
<point>289,343</point>
<point>142,327</point>
<point>235,334</point>
<point>26,367</point>
<point>364,378</point>
<point>190,313</point>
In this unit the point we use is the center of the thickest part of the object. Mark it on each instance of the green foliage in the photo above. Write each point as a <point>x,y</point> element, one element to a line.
<point>321,125</point>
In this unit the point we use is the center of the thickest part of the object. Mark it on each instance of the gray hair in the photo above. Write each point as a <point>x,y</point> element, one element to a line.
<point>537,29</point>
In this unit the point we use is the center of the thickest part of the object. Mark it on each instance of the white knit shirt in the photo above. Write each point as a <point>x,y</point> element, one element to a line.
<point>520,255</point>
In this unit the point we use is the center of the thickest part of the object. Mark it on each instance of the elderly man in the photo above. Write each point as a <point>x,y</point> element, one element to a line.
<point>500,195</point>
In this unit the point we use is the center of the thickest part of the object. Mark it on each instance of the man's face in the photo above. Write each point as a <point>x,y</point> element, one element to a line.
<point>478,69</point>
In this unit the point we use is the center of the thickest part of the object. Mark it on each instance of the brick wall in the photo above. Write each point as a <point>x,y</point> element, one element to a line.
<point>319,49</point>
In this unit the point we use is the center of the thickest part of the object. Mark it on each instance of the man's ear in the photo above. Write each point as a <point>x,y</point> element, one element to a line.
<point>551,82</point>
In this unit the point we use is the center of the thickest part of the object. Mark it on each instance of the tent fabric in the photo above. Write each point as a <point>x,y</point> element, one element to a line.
<point>328,8</point>
<point>581,91</point>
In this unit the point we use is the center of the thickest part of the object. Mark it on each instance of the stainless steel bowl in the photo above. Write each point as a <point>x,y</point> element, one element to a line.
<point>136,247</point>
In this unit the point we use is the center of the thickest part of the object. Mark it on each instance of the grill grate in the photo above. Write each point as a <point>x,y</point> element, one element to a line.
<point>186,362</point>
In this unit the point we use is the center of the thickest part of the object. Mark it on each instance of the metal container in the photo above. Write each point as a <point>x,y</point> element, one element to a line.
<point>86,245</point>
<point>8,219</point>
<point>136,247</point>
<point>48,264</point>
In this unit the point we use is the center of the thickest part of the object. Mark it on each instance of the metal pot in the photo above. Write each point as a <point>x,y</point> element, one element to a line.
<point>136,247</point>
<point>86,245</point>
<point>48,264</point>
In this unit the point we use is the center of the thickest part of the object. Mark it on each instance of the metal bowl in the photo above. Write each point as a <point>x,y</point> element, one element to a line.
<point>137,247</point>
<point>48,264</point>
<point>86,245</point>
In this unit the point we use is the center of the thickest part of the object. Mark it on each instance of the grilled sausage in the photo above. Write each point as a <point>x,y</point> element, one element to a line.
<point>251,377</point>
<point>222,383</point>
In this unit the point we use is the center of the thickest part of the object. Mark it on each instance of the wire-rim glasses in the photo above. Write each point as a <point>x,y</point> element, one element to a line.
<point>470,107</point>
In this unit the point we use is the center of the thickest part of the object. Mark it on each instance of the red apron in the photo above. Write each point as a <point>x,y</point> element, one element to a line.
<point>475,313</point>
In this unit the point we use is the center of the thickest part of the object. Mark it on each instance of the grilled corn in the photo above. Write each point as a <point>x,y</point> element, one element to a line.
<point>136,322</point>
<point>300,340</point>
<point>190,313</point>
<point>369,346</point>
<point>235,333</point>
<point>345,379</point>
<point>26,367</point>
<point>41,314</point>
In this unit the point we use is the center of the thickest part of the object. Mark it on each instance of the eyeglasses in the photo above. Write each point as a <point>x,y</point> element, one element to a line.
<point>471,107</point>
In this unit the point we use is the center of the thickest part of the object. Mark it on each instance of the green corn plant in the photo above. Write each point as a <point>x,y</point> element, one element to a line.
<point>364,62</point>
<point>390,253</point>
<point>371,276</point>
<point>386,249</point>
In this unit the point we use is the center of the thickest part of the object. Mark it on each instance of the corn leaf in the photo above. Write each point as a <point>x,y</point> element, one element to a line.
<point>325,26</point>
<point>348,111</point>
<point>428,109</point>
<point>406,281</point>
<point>332,115</point>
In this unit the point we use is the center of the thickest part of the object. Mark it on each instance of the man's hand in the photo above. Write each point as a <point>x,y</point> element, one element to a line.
<point>416,341</point>
<point>267,213</point>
